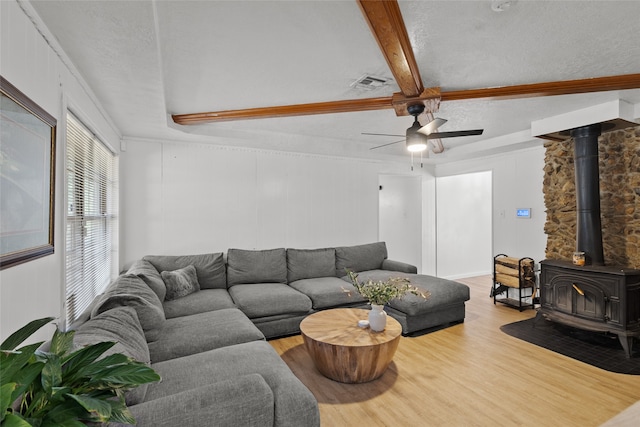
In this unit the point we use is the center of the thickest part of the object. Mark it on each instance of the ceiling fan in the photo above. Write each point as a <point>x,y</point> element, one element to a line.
<point>417,136</point>
<point>387,25</point>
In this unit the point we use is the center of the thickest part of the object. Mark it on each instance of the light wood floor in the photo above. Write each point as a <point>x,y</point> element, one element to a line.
<point>470,374</point>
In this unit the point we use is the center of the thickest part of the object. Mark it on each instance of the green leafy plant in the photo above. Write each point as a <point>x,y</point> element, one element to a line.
<point>62,387</point>
<point>381,292</point>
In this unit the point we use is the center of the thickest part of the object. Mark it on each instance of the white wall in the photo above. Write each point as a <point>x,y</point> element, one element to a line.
<point>517,182</point>
<point>179,198</point>
<point>400,217</point>
<point>429,225</point>
<point>36,289</point>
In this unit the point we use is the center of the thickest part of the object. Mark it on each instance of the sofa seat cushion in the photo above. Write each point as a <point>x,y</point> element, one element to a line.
<point>269,299</point>
<point>294,403</point>
<point>210,268</point>
<point>131,291</point>
<point>360,258</point>
<point>326,292</point>
<point>310,263</point>
<point>443,291</point>
<point>119,325</point>
<point>260,266</point>
<point>279,326</point>
<point>198,302</point>
<point>245,401</point>
<point>148,273</point>
<point>183,336</point>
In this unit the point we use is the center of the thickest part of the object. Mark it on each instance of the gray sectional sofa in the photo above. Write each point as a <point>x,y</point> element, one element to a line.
<point>201,321</point>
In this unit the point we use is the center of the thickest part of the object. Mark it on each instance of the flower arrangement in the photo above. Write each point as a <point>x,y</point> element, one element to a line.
<point>381,292</point>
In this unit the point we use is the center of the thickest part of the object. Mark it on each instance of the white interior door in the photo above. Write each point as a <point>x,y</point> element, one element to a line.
<point>464,225</point>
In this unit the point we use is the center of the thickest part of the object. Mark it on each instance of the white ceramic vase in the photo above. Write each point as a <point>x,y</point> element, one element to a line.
<point>377,318</point>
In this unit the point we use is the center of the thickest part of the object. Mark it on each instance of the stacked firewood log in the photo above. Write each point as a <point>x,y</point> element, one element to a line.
<point>514,272</point>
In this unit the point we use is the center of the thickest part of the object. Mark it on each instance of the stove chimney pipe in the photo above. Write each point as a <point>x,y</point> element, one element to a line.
<point>589,228</point>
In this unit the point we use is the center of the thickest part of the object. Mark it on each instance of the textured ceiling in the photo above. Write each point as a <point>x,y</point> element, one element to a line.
<point>146,60</point>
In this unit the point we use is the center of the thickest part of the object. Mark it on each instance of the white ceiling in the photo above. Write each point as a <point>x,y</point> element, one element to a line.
<point>146,60</point>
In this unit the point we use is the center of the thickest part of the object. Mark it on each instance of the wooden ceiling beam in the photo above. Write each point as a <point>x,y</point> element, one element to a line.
<point>565,87</point>
<point>430,97</point>
<point>344,106</point>
<point>386,24</point>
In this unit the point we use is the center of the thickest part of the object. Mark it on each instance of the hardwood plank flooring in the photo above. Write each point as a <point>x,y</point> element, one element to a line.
<point>470,374</point>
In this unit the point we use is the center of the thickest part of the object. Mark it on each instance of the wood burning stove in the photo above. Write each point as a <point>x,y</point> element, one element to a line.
<point>594,296</point>
<point>597,298</point>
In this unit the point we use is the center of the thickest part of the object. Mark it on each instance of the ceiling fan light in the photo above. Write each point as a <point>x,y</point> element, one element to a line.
<point>416,142</point>
<point>416,148</point>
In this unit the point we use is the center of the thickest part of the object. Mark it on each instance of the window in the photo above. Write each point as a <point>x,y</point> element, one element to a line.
<point>92,217</point>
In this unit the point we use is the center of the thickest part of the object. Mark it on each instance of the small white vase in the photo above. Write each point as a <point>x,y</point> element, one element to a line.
<point>377,318</point>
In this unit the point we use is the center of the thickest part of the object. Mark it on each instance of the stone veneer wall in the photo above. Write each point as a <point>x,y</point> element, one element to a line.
<point>619,158</point>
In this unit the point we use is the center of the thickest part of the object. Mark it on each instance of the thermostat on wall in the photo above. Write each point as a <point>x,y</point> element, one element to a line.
<point>523,213</point>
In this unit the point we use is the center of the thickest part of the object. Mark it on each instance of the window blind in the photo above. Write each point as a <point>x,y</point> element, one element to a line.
<point>92,217</point>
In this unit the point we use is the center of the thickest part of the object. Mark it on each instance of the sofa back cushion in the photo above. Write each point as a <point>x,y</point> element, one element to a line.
<point>310,263</point>
<point>209,267</point>
<point>129,290</point>
<point>360,258</point>
<point>148,273</point>
<point>264,266</point>
<point>120,325</point>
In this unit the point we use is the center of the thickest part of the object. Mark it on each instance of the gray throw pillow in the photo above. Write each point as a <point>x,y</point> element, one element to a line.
<point>210,268</point>
<point>119,325</point>
<point>181,282</point>
<point>310,263</point>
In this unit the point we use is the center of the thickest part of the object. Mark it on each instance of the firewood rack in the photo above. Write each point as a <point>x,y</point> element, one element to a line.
<point>514,273</point>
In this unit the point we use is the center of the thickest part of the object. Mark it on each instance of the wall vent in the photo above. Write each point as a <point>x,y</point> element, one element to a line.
<point>368,82</point>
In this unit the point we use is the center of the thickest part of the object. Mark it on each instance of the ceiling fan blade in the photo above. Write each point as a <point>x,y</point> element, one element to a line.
<point>384,145</point>
<point>379,134</point>
<point>432,126</point>
<point>436,145</point>
<point>454,134</point>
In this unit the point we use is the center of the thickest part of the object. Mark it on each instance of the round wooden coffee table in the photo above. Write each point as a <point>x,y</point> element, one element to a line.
<point>345,352</point>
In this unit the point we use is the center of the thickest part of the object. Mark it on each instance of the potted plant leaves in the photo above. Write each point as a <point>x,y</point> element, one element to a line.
<point>65,386</point>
